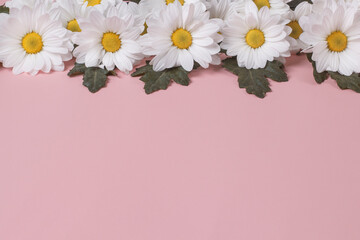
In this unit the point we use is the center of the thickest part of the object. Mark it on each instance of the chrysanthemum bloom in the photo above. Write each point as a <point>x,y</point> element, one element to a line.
<point>108,41</point>
<point>31,41</point>
<point>156,5</point>
<point>100,5</point>
<point>303,9</point>
<point>256,38</point>
<point>71,11</point>
<point>47,6</point>
<point>180,35</point>
<point>29,3</point>
<point>220,9</point>
<point>125,8</point>
<point>319,5</point>
<point>277,7</point>
<point>334,40</point>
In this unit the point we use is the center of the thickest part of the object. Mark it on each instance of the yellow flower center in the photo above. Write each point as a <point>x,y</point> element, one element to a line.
<point>73,26</point>
<point>93,2</point>
<point>262,3</point>
<point>111,42</point>
<point>171,1</point>
<point>181,38</point>
<point>296,29</point>
<point>255,38</point>
<point>337,41</point>
<point>145,29</point>
<point>32,43</point>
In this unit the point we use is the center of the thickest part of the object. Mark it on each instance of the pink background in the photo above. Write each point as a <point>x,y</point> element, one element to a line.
<point>204,162</point>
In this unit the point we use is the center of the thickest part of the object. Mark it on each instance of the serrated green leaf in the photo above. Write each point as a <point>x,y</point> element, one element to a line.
<point>347,82</point>
<point>274,70</point>
<point>79,68</point>
<point>344,82</point>
<point>294,3</point>
<point>4,9</point>
<point>180,76</point>
<point>196,65</point>
<point>319,77</point>
<point>255,81</point>
<point>142,70</point>
<point>95,79</point>
<point>155,81</point>
<point>112,73</point>
<point>231,65</point>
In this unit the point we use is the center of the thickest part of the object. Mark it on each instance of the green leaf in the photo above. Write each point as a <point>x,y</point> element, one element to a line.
<point>142,71</point>
<point>255,81</point>
<point>347,82</point>
<point>112,73</point>
<point>275,71</point>
<point>294,3</point>
<point>95,79</point>
<point>344,82</point>
<point>155,81</point>
<point>319,77</point>
<point>4,9</point>
<point>79,68</point>
<point>231,65</point>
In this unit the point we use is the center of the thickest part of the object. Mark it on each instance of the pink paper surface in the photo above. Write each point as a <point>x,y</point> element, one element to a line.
<point>204,162</point>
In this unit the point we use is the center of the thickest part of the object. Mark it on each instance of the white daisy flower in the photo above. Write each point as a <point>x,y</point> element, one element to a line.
<point>71,11</point>
<point>108,41</point>
<point>256,38</point>
<point>47,6</point>
<point>122,9</point>
<point>220,9</point>
<point>277,7</point>
<point>178,37</point>
<point>335,40</point>
<point>3,17</point>
<point>100,5</point>
<point>29,3</point>
<point>319,5</point>
<point>31,41</point>
<point>151,6</point>
<point>132,7</point>
<point>303,9</point>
